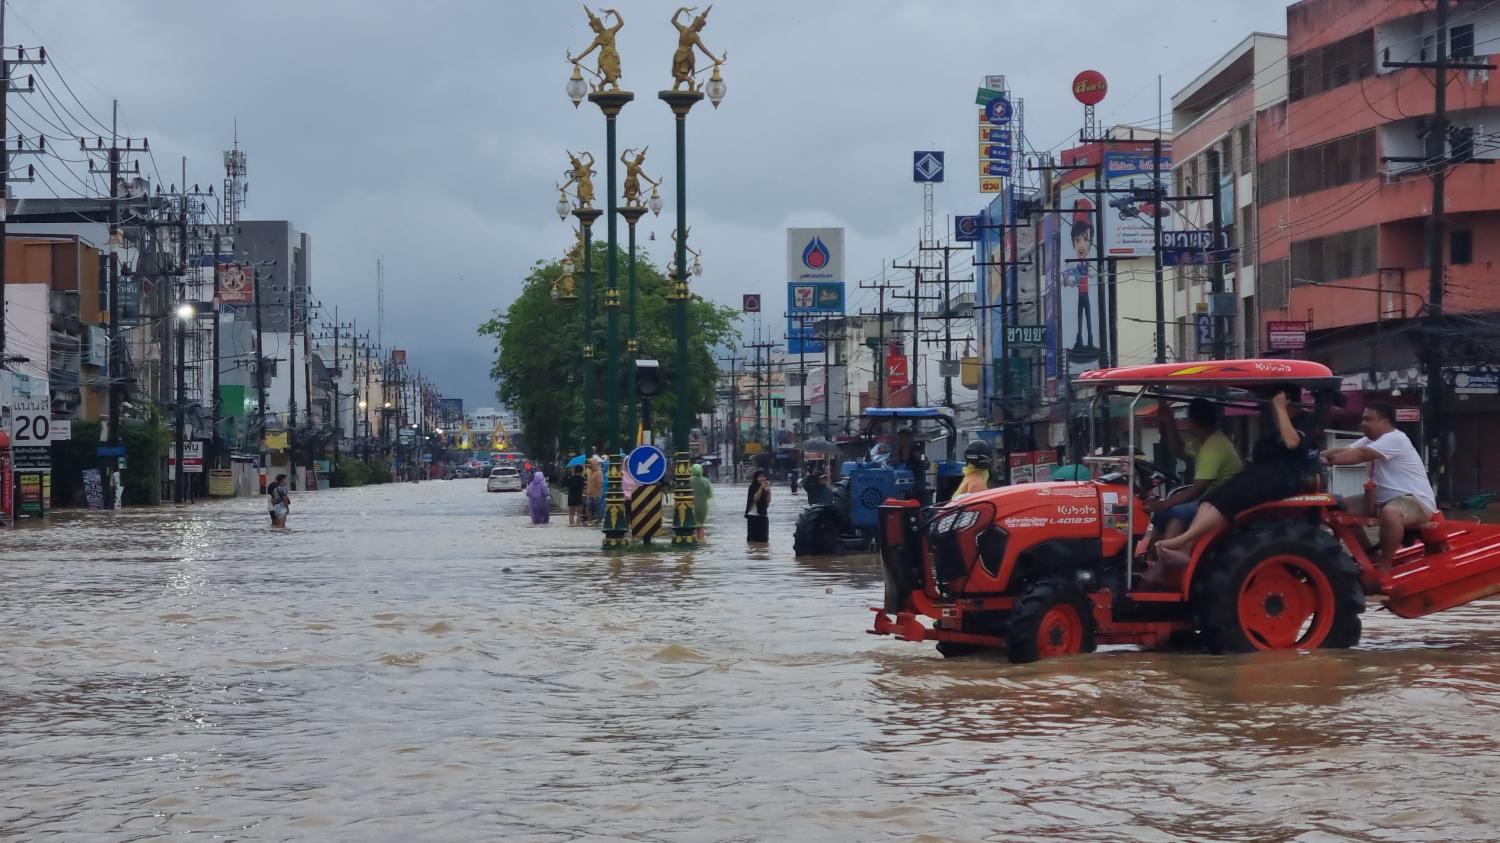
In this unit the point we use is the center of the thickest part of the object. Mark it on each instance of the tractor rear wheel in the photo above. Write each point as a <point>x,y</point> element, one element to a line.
<point>1050,619</point>
<point>1278,585</point>
<point>817,533</point>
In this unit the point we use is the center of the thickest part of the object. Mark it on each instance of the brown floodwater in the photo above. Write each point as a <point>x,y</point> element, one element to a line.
<point>417,662</point>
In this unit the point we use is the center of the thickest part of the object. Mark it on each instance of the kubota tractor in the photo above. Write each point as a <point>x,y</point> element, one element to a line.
<point>1052,569</point>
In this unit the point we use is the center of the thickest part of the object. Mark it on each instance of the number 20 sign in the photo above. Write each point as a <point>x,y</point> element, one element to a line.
<point>31,422</point>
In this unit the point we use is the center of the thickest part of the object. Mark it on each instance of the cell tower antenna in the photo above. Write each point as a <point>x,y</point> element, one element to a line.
<point>235,186</point>
<point>380,302</point>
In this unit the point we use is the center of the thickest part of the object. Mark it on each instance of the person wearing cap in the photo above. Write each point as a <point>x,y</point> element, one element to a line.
<point>978,457</point>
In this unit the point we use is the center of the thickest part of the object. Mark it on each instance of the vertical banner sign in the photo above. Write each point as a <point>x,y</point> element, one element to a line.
<point>1021,467</point>
<point>994,139</point>
<point>897,376</point>
<point>815,283</point>
<point>1079,288</point>
<point>93,488</point>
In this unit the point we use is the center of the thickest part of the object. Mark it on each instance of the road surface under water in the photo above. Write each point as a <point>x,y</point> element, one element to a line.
<point>418,662</point>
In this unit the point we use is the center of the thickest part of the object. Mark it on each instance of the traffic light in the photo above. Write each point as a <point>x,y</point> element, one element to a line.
<point>647,378</point>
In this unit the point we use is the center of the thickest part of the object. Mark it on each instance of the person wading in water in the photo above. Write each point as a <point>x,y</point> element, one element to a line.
<point>278,501</point>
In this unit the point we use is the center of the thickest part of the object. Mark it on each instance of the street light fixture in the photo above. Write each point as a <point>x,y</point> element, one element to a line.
<point>186,311</point>
<point>563,205</point>
<point>577,87</point>
<point>715,87</point>
<point>655,202</point>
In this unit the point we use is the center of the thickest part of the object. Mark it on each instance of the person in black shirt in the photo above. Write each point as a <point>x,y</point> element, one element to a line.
<point>757,525</point>
<point>909,456</point>
<point>1279,465</point>
<point>574,486</point>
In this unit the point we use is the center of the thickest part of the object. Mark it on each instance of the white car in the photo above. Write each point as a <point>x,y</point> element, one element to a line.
<point>504,478</point>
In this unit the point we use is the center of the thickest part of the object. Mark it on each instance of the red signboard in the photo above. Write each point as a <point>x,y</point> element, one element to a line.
<point>896,373</point>
<point>1021,467</point>
<point>1408,414</point>
<point>236,283</point>
<point>1089,87</point>
<point>1286,336</point>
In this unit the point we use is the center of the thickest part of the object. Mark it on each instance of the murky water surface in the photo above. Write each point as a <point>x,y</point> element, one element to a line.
<point>419,663</point>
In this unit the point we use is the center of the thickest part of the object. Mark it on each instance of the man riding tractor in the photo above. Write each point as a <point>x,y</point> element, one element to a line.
<point>1052,569</point>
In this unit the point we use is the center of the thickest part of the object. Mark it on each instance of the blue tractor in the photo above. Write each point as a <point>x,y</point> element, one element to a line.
<point>848,521</point>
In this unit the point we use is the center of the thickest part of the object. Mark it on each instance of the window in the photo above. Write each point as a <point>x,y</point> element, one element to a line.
<point>1348,254</point>
<point>1273,285</point>
<point>1248,236</point>
<point>1341,161</point>
<point>1252,326</point>
<point>1271,182</point>
<point>1247,150</point>
<point>1461,41</point>
<point>1329,67</point>
<point>1461,246</point>
<point>1182,338</point>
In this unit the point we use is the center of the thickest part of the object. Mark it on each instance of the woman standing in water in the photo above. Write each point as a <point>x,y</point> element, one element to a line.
<point>540,498</point>
<point>757,525</point>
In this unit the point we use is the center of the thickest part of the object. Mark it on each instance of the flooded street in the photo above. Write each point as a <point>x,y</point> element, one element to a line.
<point>418,662</point>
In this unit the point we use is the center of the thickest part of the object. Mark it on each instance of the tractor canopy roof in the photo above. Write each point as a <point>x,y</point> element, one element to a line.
<point>1230,373</point>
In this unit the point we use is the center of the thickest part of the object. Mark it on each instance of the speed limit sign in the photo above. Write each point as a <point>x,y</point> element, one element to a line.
<point>31,422</point>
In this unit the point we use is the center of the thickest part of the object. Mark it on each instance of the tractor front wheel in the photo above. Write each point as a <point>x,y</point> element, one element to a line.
<point>1279,585</point>
<point>1050,619</point>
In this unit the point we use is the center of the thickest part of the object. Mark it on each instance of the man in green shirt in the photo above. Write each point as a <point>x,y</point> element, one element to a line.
<point>1214,461</point>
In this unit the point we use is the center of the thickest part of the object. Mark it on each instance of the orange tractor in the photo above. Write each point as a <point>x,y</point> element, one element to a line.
<point>1053,569</point>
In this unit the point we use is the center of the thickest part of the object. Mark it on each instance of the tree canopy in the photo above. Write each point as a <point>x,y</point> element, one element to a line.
<point>539,346</point>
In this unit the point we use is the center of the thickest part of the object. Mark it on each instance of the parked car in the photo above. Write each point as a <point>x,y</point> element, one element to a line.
<point>504,478</point>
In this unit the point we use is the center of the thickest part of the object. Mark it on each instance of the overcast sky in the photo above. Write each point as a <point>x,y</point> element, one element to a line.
<point>432,133</point>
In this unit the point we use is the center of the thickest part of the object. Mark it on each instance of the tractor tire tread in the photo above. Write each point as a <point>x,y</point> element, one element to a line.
<point>1026,617</point>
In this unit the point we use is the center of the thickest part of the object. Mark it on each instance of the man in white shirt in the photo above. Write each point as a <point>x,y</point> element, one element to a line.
<point>1402,493</point>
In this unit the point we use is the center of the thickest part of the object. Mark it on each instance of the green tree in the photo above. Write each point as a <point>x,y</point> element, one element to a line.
<point>539,349</point>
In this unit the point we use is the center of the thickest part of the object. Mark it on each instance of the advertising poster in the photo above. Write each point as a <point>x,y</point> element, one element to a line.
<point>93,488</point>
<point>1129,225</point>
<point>1078,295</point>
<point>1042,468</point>
<point>1021,467</point>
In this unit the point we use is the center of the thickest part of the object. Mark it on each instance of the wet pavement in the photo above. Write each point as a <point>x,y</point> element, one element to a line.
<point>418,662</point>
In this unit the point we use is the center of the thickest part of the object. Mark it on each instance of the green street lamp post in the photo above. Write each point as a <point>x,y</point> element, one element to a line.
<point>632,215</point>
<point>616,527</point>
<point>586,216</point>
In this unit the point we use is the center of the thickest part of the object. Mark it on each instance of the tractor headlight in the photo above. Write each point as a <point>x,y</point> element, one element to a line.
<point>945,524</point>
<point>966,519</point>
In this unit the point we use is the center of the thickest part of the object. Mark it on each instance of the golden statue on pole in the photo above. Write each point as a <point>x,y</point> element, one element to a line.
<point>582,175</point>
<point>684,66</point>
<point>604,41</point>
<point>633,177</point>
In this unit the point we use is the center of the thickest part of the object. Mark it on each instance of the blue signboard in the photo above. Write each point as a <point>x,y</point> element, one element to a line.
<point>1194,246</point>
<point>1204,328</point>
<point>646,464</point>
<point>997,110</point>
<point>814,297</point>
<point>111,450</point>
<point>988,134</point>
<point>802,339</point>
<point>927,165</point>
<point>966,228</point>
<point>991,167</point>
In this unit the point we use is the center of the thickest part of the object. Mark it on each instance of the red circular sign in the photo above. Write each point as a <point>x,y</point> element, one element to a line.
<point>1089,87</point>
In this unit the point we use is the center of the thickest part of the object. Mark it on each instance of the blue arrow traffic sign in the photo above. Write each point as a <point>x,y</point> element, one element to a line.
<point>647,464</point>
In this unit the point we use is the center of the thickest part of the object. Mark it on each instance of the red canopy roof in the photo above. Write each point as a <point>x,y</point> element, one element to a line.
<point>1224,372</point>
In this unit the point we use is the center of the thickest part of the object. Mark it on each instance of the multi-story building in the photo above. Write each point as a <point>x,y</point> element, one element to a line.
<point>1214,126</point>
<point>1345,198</point>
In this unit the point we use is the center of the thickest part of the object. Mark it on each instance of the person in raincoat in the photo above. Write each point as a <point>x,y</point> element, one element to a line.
<point>977,460</point>
<point>540,498</point>
<point>703,492</point>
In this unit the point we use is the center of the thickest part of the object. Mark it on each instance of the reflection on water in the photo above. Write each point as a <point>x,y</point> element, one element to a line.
<point>418,659</point>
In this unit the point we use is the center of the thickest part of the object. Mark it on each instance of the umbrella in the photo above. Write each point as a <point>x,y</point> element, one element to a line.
<point>819,446</point>
<point>576,461</point>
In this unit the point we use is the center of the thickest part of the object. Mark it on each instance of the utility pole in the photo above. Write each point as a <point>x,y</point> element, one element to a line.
<point>116,241</point>
<point>5,178</point>
<point>260,373</point>
<point>1215,256</point>
<point>881,375</point>
<point>916,298</point>
<point>1440,137</point>
<point>947,317</point>
<point>1009,315</point>
<point>763,391</point>
<point>217,441</point>
<point>734,417</point>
